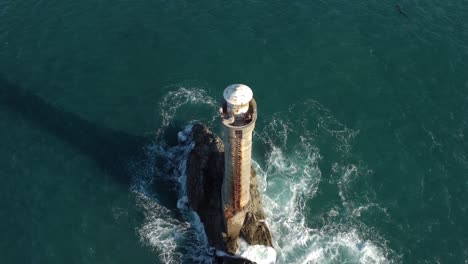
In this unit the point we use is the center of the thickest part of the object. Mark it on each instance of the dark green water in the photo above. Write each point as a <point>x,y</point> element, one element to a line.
<point>360,142</point>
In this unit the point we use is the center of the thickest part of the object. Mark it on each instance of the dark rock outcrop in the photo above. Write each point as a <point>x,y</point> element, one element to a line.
<point>205,172</point>
<point>254,230</point>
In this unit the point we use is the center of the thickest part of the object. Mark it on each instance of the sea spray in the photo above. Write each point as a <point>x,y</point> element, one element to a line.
<point>289,176</point>
<point>174,100</point>
<point>176,235</point>
<point>257,253</point>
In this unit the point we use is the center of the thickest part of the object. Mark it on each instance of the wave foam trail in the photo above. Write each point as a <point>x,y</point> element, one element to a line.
<point>290,176</point>
<point>173,230</point>
<point>174,238</point>
<point>257,253</point>
<point>161,232</point>
<point>174,100</point>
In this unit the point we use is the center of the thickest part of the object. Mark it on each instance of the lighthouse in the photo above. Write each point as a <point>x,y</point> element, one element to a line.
<point>238,114</point>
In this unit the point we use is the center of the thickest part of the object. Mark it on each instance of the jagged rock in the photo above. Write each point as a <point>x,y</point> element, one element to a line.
<point>205,172</point>
<point>255,230</point>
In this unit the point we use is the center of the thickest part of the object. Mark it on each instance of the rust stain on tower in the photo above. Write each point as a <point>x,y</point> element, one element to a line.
<point>239,113</point>
<point>237,171</point>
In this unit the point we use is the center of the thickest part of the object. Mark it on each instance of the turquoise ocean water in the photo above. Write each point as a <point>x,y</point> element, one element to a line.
<point>360,144</point>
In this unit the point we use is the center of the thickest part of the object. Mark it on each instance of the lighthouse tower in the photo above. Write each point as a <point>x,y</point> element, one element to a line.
<point>239,113</point>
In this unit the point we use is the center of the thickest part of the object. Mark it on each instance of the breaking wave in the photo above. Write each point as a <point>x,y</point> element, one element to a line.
<point>291,170</point>
<point>291,174</point>
<point>170,228</point>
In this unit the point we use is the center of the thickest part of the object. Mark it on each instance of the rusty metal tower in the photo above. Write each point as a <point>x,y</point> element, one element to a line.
<point>239,113</point>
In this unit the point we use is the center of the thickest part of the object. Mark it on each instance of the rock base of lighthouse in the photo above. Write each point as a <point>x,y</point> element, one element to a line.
<point>205,172</point>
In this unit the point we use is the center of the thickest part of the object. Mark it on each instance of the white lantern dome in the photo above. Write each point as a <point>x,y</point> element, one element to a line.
<point>238,97</point>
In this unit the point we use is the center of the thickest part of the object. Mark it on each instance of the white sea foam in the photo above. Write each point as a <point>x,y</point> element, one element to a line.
<point>298,243</point>
<point>177,236</point>
<point>174,238</point>
<point>175,99</point>
<point>289,177</point>
<point>161,231</point>
<point>257,253</point>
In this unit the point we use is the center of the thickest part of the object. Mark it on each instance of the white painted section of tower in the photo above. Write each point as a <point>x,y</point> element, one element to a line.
<point>238,97</point>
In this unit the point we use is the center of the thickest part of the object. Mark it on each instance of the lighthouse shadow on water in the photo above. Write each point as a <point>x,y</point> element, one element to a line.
<point>148,166</point>
<point>110,149</point>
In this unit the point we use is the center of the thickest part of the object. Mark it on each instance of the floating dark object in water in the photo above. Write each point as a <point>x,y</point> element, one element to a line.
<point>398,8</point>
